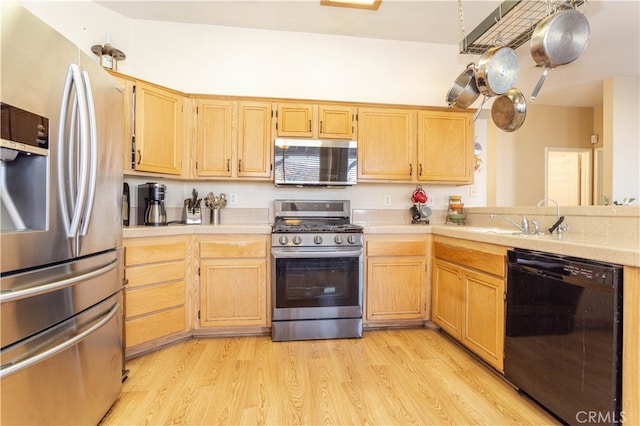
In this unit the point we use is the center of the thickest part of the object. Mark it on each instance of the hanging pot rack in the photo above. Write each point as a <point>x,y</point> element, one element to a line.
<point>511,23</point>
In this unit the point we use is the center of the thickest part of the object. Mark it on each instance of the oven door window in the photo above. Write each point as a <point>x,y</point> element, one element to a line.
<point>317,282</point>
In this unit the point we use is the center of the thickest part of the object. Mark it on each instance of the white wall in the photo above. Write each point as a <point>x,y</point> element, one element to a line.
<point>622,138</point>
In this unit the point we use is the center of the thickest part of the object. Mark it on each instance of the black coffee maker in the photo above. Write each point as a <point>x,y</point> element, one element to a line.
<point>151,211</point>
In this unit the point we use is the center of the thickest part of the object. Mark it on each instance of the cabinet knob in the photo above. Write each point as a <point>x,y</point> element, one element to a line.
<point>228,164</point>
<point>139,157</point>
<point>239,165</point>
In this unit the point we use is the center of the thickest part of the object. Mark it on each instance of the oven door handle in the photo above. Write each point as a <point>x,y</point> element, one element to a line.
<point>315,254</point>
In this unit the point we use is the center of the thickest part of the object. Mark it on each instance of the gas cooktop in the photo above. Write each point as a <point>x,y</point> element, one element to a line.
<point>316,227</point>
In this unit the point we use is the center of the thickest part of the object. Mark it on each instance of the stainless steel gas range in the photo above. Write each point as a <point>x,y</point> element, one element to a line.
<point>317,271</point>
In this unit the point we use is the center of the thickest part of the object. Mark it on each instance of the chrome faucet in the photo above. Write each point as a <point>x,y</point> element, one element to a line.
<point>546,201</point>
<point>557,226</point>
<point>523,227</point>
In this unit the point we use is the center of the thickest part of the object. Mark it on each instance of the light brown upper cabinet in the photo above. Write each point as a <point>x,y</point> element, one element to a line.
<point>324,121</point>
<point>157,114</point>
<point>294,120</point>
<point>158,129</point>
<point>445,147</point>
<point>335,122</point>
<point>233,139</point>
<point>396,144</point>
<point>214,140</point>
<point>386,144</point>
<point>255,146</point>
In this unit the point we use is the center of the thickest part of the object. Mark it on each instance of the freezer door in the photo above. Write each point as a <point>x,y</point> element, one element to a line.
<point>68,374</point>
<point>34,66</point>
<point>34,300</point>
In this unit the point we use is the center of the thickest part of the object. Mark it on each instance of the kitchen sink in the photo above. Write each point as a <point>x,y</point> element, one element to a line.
<point>502,231</point>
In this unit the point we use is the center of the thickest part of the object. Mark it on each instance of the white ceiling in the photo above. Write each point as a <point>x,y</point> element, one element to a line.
<point>613,50</point>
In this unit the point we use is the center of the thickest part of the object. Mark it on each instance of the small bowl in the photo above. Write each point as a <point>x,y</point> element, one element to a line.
<point>457,216</point>
<point>456,207</point>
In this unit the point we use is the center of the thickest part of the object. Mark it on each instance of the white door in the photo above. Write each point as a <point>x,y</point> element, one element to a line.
<point>569,176</point>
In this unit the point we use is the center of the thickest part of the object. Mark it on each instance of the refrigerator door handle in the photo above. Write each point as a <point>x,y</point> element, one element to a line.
<point>72,222</point>
<point>14,368</point>
<point>93,154</point>
<point>56,285</point>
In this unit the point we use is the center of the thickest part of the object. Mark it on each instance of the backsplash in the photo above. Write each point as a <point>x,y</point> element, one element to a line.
<point>614,222</point>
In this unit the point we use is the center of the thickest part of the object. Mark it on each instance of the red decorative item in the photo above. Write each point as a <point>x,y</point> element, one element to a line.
<point>419,196</point>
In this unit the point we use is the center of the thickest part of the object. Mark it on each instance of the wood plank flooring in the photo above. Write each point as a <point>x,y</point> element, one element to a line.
<point>389,377</point>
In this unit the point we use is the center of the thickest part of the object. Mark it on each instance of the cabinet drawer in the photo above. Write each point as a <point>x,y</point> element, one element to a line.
<point>148,299</point>
<point>396,247</point>
<point>140,253</point>
<point>154,326</point>
<point>491,263</point>
<point>225,246</point>
<point>151,274</point>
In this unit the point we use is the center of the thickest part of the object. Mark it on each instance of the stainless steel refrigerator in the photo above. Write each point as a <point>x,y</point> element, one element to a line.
<point>60,187</point>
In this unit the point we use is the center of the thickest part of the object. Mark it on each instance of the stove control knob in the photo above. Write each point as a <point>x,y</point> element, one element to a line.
<point>297,239</point>
<point>283,240</point>
<point>352,239</point>
<point>317,239</point>
<point>338,239</point>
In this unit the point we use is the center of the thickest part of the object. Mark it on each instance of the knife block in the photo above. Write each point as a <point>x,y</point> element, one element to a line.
<point>191,216</point>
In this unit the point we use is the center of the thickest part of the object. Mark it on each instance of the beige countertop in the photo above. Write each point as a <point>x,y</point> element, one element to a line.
<point>597,247</point>
<point>181,229</point>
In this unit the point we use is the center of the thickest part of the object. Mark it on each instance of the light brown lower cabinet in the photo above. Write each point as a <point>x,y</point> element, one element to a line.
<point>468,288</point>
<point>156,292</point>
<point>395,277</point>
<point>233,282</point>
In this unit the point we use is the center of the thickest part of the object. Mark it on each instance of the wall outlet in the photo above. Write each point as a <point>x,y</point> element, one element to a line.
<point>233,199</point>
<point>473,191</point>
<point>387,200</point>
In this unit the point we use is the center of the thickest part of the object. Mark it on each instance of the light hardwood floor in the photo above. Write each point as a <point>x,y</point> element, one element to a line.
<point>389,377</point>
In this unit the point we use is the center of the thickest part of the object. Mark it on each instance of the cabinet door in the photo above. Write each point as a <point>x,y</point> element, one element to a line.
<point>448,294</point>
<point>214,138</point>
<point>233,292</point>
<point>158,129</point>
<point>445,151</point>
<point>483,330</point>
<point>254,140</point>
<point>395,288</point>
<point>335,122</point>
<point>386,144</point>
<point>128,84</point>
<point>295,120</point>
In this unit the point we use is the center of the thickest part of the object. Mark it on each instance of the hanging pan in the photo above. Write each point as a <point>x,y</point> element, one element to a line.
<point>497,70</point>
<point>558,39</point>
<point>509,110</point>
<point>496,73</point>
<point>464,91</point>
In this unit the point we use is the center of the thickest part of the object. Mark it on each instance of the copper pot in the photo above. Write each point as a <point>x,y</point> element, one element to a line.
<point>509,110</point>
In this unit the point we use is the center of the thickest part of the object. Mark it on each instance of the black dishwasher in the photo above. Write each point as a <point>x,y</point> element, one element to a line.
<point>563,343</point>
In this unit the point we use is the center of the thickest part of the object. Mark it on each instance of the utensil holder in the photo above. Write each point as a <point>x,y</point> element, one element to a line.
<point>214,216</point>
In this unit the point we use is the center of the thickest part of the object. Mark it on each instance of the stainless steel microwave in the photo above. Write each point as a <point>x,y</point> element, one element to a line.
<point>314,162</point>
